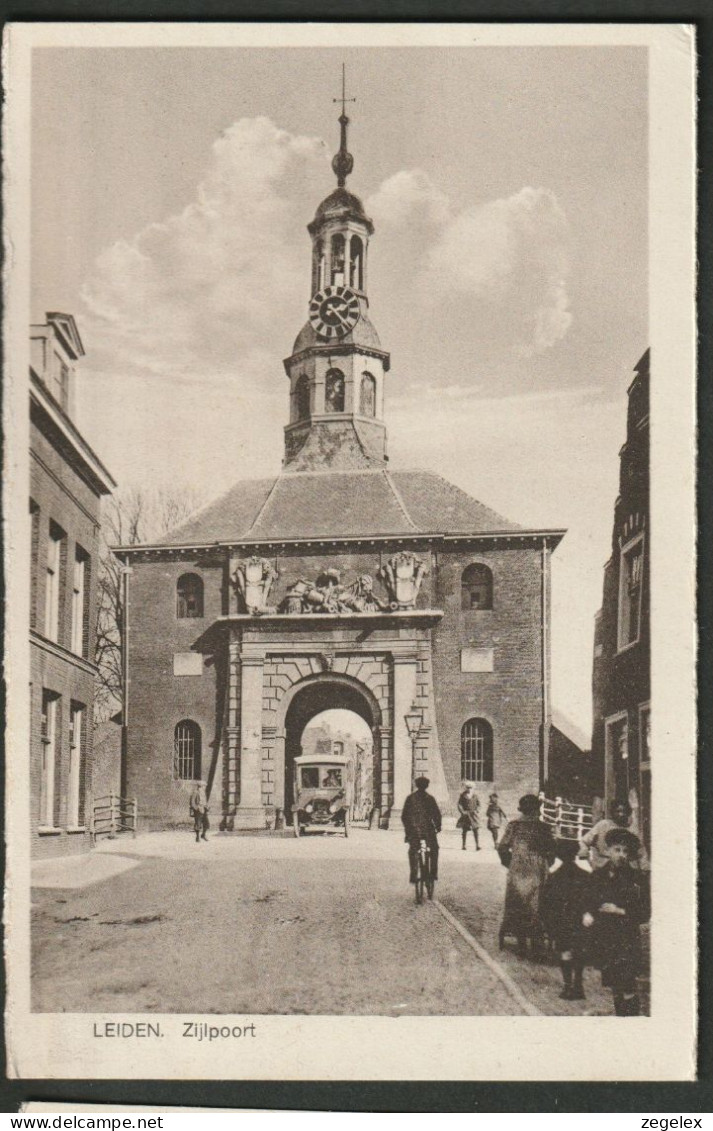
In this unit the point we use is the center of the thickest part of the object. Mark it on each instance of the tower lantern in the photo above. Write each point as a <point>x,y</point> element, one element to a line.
<point>337,365</point>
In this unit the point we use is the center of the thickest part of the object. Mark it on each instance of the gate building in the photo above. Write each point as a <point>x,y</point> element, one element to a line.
<point>337,583</point>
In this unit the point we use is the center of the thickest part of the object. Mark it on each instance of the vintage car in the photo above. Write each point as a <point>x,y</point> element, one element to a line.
<point>321,793</point>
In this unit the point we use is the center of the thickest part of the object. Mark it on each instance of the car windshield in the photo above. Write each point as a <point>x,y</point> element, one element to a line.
<point>310,777</point>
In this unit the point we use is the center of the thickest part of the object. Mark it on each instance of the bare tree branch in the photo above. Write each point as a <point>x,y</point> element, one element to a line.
<point>129,518</point>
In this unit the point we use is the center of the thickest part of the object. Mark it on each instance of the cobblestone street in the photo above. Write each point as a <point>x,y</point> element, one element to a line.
<point>260,925</point>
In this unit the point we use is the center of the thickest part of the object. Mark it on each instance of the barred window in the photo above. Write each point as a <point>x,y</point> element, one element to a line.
<point>189,596</point>
<point>187,751</point>
<point>477,587</point>
<point>476,751</point>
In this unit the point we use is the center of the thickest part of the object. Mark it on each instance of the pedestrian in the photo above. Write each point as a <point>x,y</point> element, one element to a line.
<point>421,819</point>
<point>616,906</point>
<point>526,850</point>
<point>495,817</point>
<point>469,809</point>
<point>593,843</point>
<point>198,808</point>
<point>564,902</point>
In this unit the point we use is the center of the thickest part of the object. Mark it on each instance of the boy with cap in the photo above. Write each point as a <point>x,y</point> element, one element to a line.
<point>616,907</point>
<point>564,901</point>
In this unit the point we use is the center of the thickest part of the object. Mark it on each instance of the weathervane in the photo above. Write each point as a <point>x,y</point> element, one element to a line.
<point>343,162</point>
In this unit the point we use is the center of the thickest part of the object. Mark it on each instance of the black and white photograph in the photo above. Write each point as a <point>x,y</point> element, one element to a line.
<point>355,590</point>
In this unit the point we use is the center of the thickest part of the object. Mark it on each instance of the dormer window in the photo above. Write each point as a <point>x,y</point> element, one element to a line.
<point>63,397</point>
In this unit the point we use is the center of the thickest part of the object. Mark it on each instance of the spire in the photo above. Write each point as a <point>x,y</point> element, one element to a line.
<point>343,162</point>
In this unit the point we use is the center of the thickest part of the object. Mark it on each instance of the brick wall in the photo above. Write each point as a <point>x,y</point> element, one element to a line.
<point>509,697</point>
<point>61,497</point>
<point>158,699</point>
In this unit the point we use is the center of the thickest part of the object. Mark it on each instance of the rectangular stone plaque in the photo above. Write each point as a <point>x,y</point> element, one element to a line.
<point>187,663</point>
<point>476,659</point>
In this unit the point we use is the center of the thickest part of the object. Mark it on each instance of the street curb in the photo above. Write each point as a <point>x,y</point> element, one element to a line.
<point>500,973</point>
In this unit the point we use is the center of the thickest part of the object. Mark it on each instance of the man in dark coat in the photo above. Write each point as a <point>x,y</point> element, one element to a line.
<point>421,819</point>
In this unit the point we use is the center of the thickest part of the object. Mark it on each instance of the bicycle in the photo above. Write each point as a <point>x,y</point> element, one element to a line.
<point>424,877</point>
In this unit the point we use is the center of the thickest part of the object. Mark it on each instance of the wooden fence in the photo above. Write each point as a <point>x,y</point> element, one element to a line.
<point>112,814</point>
<point>567,821</point>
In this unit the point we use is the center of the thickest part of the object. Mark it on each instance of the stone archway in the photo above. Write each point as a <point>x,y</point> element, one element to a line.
<point>310,697</point>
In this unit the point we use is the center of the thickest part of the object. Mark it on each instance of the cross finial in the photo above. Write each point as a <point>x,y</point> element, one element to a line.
<point>344,98</point>
<point>343,162</point>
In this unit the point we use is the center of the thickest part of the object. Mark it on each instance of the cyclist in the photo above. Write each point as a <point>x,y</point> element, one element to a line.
<point>421,819</point>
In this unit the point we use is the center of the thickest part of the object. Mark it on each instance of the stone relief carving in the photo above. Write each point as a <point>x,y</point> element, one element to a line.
<point>254,578</point>
<point>402,575</point>
<point>328,595</point>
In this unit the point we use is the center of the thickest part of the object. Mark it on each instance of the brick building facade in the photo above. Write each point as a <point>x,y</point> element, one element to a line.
<point>621,677</point>
<point>66,483</point>
<point>336,584</point>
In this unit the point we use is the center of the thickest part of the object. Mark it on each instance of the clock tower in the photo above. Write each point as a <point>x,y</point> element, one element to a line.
<point>337,366</point>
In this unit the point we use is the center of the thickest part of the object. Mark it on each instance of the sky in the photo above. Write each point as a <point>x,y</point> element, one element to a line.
<point>171,188</point>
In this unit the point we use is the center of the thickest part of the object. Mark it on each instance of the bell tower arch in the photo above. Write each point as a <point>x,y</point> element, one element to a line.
<point>344,427</point>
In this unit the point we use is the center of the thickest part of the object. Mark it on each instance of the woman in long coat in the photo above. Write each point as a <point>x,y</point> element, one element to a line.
<point>527,850</point>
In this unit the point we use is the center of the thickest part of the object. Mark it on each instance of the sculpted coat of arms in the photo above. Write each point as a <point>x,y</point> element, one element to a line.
<point>402,575</point>
<point>254,579</point>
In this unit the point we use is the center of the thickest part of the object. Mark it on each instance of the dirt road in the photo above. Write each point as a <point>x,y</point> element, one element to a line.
<point>257,926</point>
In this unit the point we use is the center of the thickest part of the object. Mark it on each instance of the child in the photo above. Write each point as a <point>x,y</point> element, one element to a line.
<point>564,901</point>
<point>495,816</point>
<point>616,906</point>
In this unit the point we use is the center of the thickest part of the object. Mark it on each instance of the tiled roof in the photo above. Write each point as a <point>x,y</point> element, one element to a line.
<point>338,504</point>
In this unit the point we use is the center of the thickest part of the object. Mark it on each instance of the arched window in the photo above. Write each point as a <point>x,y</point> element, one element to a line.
<point>318,271</point>
<point>477,587</point>
<point>367,405</point>
<point>334,391</point>
<point>476,751</point>
<point>189,596</point>
<point>302,396</point>
<point>187,751</point>
<point>338,250</point>
<point>356,263</point>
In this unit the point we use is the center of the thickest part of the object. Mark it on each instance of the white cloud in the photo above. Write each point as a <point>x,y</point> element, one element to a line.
<point>406,197</point>
<point>195,295</point>
<point>500,263</point>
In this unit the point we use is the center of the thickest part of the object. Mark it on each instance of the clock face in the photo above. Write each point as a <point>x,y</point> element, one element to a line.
<point>334,312</point>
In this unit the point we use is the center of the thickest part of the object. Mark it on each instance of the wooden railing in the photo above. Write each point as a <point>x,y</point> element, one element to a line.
<point>567,820</point>
<point>112,814</point>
